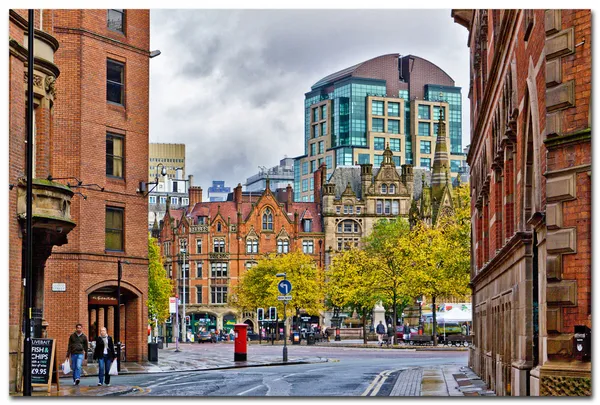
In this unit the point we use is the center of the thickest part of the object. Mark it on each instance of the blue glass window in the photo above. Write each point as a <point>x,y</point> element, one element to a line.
<point>436,129</point>
<point>455,166</point>
<point>377,125</point>
<point>313,166</point>
<point>424,129</point>
<point>328,162</point>
<point>323,111</point>
<point>322,147</point>
<point>304,185</point>
<point>379,143</point>
<point>323,128</point>
<point>377,107</point>
<point>425,147</point>
<point>304,168</point>
<point>426,163</point>
<point>364,158</point>
<point>315,131</point>
<point>396,160</point>
<point>312,183</point>
<point>377,159</point>
<point>393,126</point>
<point>395,145</point>
<point>315,114</point>
<point>313,149</point>
<point>393,109</point>
<point>424,112</point>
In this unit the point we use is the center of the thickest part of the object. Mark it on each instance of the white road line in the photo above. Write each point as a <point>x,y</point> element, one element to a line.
<point>251,389</point>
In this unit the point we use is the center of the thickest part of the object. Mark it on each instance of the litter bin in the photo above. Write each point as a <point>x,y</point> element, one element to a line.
<point>295,338</point>
<point>159,341</point>
<point>310,339</point>
<point>153,352</point>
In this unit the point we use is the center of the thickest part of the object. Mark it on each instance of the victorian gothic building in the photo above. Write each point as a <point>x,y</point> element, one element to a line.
<point>222,239</point>
<point>530,182</point>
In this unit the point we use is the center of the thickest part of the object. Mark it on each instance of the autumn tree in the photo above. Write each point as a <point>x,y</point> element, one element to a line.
<point>257,288</point>
<point>351,283</point>
<point>389,244</point>
<point>160,287</point>
<point>442,254</point>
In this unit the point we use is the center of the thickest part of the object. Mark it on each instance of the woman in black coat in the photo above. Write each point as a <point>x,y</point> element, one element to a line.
<point>105,354</point>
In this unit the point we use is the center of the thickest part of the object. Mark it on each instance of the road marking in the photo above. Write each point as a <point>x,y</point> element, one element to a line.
<point>377,383</point>
<point>251,389</point>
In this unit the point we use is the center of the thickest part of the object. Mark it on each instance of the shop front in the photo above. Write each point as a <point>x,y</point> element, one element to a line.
<point>203,322</point>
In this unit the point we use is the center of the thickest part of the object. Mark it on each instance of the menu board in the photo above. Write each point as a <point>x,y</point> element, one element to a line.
<point>41,360</point>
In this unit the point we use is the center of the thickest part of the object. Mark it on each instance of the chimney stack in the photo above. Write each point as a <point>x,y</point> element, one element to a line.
<point>195,194</point>
<point>289,191</point>
<point>319,176</point>
<point>237,195</point>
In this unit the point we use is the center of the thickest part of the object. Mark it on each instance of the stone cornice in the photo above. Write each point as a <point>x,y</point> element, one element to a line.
<point>81,31</point>
<point>516,241</point>
<point>569,139</point>
<point>41,64</point>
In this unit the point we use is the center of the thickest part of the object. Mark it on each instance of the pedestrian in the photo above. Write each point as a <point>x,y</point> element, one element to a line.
<point>77,349</point>
<point>105,354</point>
<point>464,329</point>
<point>406,331</point>
<point>390,333</point>
<point>380,330</point>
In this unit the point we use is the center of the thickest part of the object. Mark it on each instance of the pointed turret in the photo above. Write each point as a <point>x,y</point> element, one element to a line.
<point>441,186</point>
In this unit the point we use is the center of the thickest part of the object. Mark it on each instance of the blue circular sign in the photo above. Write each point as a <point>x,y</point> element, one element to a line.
<point>284,287</point>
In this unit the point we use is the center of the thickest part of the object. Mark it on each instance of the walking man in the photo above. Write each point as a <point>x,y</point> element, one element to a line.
<point>380,330</point>
<point>77,349</point>
<point>406,332</point>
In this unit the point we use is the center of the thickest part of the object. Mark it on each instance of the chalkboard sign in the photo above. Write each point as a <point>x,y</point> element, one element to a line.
<point>41,360</point>
<point>44,364</point>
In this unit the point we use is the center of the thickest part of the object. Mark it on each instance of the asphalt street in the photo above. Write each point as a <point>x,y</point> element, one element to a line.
<point>349,372</point>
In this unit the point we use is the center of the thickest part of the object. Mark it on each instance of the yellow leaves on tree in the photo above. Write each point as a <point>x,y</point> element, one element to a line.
<point>257,288</point>
<point>160,287</point>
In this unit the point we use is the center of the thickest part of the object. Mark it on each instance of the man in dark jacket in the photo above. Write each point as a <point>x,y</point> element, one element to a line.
<point>77,349</point>
<point>380,330</point>
<point>105,354</point>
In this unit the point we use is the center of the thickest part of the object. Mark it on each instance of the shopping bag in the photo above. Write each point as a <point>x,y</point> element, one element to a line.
<point>66,367</point>
<point>113,368</point>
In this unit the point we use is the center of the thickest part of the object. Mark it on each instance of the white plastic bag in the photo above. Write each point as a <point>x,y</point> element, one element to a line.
<point>66,367</point>
<point>113,368</point>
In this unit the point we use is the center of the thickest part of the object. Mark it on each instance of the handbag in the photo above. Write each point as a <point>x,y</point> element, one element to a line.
<point>66,367</point>
<point>113,368</point>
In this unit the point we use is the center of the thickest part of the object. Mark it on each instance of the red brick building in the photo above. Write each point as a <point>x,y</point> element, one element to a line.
<point>530,162</point>
<point>224,239</point>
<point>92,139</point>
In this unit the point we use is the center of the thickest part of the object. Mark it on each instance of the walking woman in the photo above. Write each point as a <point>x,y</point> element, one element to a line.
<point>105,354</point>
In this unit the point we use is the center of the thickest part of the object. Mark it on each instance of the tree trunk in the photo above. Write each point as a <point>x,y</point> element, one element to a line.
<point>395,319</point>
<point>364,319</point>
<point>434,333</point>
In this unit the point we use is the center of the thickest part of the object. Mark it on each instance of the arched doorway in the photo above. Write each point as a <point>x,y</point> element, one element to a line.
<point>102,307</point>
<point>250,324</point>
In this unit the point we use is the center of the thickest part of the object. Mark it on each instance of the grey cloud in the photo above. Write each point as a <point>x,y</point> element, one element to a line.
<point>230,84</point>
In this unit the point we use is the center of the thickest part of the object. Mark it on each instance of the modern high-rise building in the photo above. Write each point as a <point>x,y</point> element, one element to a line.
<point>279,176</point>
<point>170,155</point>
<point>218,191</point>
<point>352,115</point>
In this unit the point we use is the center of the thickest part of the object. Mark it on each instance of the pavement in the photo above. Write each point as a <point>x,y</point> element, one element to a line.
<point>443,380</point>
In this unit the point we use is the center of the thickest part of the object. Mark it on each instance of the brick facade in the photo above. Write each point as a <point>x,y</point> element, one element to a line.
<point>72,118</point>
<point>236,222</point>
<point>531,188</point>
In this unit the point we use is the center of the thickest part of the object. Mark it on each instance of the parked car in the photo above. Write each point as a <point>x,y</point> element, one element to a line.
<point>400,332</point>
<point>252,336</point>
<point>202,337</point>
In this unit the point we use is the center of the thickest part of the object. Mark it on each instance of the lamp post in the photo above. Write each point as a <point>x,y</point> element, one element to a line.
<point>183,251</point>
<point>285,350</point>
<point>118,311</point>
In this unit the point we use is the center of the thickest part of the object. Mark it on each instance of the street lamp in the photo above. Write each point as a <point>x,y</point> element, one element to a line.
<point>285,350</point>
<point>118,312</point>
<point>183,251</point>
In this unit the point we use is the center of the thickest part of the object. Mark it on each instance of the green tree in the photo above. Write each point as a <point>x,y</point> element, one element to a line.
<point>390,244</point>
<point>350,283</point>
<point>257,288</point>
<point>160,287</point>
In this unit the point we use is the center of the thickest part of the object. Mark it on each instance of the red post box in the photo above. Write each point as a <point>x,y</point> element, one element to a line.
<point>240,346</point>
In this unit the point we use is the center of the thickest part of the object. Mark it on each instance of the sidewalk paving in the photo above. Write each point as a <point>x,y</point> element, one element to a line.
<point>440,381</point>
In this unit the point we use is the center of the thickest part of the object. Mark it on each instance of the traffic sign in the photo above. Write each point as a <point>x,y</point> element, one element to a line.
<point>284,298</point>
<point>284,286</point>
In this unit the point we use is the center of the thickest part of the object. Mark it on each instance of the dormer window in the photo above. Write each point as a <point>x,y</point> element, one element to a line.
<point>267,220</point>
<point>201,220</point>
<point>307,225</point>
<point>218,227</point>
<point>392,189</point>
<point>384,189</point>
<point>251,245</point>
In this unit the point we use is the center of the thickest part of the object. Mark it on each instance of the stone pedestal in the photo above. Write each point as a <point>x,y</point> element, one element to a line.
<point>379,315</point>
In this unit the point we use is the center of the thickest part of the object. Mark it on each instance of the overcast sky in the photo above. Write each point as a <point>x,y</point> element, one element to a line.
<point>230,84</point>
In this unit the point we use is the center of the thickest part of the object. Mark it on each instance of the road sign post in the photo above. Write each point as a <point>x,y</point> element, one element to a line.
<point>285,287</point>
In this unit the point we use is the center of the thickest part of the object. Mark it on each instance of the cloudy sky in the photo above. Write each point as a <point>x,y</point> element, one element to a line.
<point>230,84</point>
